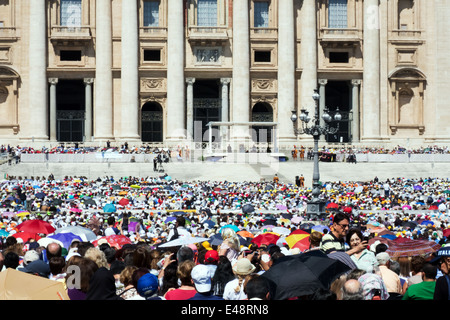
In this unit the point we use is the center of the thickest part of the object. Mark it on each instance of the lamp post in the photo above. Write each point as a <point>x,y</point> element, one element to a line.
<point>316,206</point>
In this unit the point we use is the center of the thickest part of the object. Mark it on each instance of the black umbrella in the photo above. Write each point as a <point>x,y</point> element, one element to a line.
<point>303,274</point>
<point>247,208</point>
<point>307,226</point>
<point>40,195</point>
<point>56,202</point>
<point>409,224</point>
<point>90,201</point>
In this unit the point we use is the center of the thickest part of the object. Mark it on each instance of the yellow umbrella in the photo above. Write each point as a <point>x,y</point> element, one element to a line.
<point>135,186</point>
<point>19,285</point>
<point>293,238</point>
<point>22,213</point>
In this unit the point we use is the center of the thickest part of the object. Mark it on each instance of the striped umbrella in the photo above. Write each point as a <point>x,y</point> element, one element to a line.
<point>408,247</point>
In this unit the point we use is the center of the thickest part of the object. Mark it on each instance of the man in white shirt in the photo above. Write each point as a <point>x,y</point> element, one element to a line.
<point>179,230</point>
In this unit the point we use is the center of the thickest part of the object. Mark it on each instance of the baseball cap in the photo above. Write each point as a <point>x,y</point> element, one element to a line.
<point>212,256</point>
<point>201,276</point>
<point>147,285</point>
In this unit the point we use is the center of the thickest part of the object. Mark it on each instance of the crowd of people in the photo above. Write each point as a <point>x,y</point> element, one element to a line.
<point>218,223</point>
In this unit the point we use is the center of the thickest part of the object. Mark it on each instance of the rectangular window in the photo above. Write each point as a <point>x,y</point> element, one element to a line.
<point>261,14</point>
<point>339,57</point>
<point>152,55</point>
<point>337,14</point>
<point>262,56</point>
<point>207,13</point>
<point>71,13</point>
<point>151,13</point>
<point>70,55</point>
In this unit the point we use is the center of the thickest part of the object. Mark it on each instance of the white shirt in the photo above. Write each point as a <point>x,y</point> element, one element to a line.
<point>230,294</point>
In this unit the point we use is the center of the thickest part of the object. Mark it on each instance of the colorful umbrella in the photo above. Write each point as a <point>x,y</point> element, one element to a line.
<point>109,208</point>
<point>4,233</point>
<point>183,241</point>
<point>232,226</point>
<point>296,236</point>
<point>124,201</point>
<point>408,248</point>
<point>65,238</point>
<point>446,233</point>
<point>116,240</point>
<point>320,228</point>
<point>302,244</point>
<point>8,214</point>
<point>246,234</point>
<point>25,236</point>
<point>36,226</point>
<point>22,213</point>
<point>84,233</point>
<point>265,239</point>
<point>332,205</point>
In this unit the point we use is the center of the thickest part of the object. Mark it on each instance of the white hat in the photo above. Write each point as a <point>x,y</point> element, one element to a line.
<point>30,256</point>
<point>201,275</point>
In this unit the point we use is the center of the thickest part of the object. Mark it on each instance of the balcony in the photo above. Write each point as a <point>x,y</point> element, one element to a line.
<point>70,35</point>
<point>268,34</point>
<point>8,34</point>
<point>405,36</point>
<point>340,37</point>
<point>207,36</point>
<point>152,33</point>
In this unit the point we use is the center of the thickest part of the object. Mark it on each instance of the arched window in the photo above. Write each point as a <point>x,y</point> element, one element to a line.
<point>152,122</point>
<point>262,112</point>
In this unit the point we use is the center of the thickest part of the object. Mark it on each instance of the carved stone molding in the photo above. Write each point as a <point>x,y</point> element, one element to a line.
<point>264,84</point>
<point>152,84</point>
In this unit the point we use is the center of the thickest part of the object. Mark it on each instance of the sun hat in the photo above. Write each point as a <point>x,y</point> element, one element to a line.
<point>243,267</point>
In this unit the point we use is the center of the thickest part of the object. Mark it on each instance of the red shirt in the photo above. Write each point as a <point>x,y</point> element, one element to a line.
<point>180,294</point>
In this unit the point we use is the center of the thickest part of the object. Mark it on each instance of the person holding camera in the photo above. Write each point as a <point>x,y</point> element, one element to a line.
<point>361,256</point>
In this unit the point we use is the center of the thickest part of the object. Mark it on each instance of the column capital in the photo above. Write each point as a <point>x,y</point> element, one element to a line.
<point>88,80</point>
<point>356,82</point>
<point>190,80</point>
<point>225,81</point>
<point>322,82</point>
<point>53,81</point>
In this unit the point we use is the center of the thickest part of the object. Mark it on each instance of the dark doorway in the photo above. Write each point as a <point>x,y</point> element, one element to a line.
<point>152,122</point>
<point>338,95</point>
<point>207,105</point>
<point>262,112</point>
<point>70,110</point>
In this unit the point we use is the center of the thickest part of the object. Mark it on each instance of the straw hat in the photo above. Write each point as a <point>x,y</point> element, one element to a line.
<point>243,267</point>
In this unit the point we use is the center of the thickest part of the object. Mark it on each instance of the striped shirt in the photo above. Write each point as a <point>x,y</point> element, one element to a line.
<point>330,243</point>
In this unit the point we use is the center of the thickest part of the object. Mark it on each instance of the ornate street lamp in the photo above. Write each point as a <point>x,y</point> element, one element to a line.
<point>316,206</point>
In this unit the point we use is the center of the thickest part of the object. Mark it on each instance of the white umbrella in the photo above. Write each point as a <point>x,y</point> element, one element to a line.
<point>281,231</point>
<point>183,241</point>
<point>84,233</point>
<point>46,241</point>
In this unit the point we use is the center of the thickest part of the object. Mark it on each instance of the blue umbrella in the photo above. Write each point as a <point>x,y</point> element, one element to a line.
<point>170,219</point>
<point>216,240</point>
<point>178,213</point>
<point>232,226</point>
<point>108,208</point>
<point>65,238</point>
<point>426,222</point>
<point>389,236</point>
<point>4,233</point>
<point>210,223</point>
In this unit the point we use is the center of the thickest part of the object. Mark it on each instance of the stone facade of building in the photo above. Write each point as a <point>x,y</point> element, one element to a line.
<point>159,71</point>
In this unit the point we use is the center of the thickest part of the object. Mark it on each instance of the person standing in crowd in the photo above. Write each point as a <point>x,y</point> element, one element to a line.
<point>335,240</point>
<point>362,257</point>
<point>390,278</point>
<point>425,289</point>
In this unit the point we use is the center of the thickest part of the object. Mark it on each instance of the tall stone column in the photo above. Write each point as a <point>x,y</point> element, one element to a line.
<point>355,109</point>
<point>286,69</point>
<point>175,72</point>
<point>308,55</point>
<point>190,107</point>
<point>225,109</point>
<point>322,85</point>
<point>53,82</point>
<point>130,71</point>
<point>241,70</point>
<point>37,110</point>
<point>225,101</point>
<point>371,73</point>
<point>88,106</point>
<point>103,113</point>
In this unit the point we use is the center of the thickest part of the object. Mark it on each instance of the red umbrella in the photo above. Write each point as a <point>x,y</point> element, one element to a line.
<point>409,247</point>
<point>446,232</point>
<point>265,238</point>
<point>124,201</point>
<point>332,205</point>
<point>302,244</point>
<point>25,236</point>
<point>116,240</point>
<point>36,226</point>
